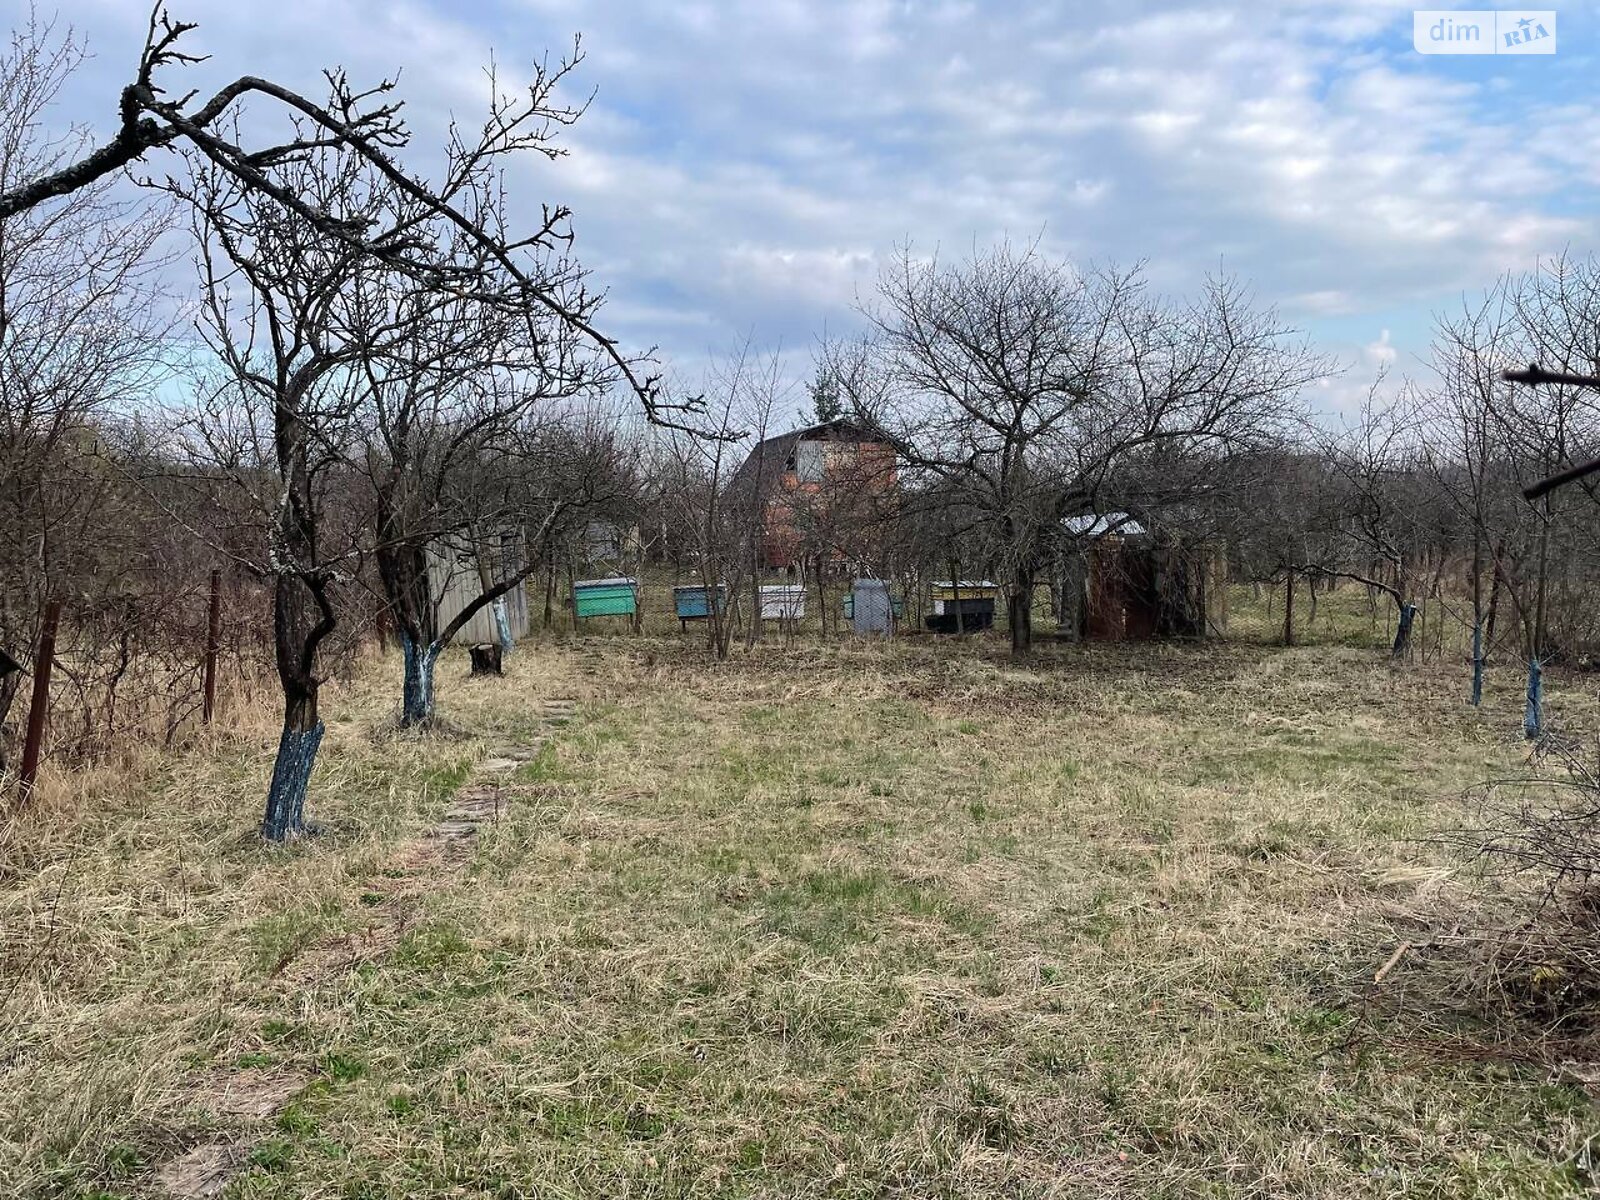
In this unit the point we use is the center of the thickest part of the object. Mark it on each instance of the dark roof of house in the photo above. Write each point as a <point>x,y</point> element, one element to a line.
<point>769,457</point>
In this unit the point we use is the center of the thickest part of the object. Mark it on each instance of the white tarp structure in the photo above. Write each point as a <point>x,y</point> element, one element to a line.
<point>872,611</point>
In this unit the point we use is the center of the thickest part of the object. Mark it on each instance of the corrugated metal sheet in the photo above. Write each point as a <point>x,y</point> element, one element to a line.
<point>453,573</point>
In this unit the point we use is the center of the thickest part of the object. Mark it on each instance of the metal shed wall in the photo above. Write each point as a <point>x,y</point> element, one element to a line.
<point>453,573</point>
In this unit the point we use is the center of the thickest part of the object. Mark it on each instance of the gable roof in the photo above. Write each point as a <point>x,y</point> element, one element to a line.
<point>1093,525</point>
<point>768,458</point>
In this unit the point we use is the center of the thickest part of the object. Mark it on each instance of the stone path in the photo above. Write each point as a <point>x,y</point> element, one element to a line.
<point>253,1096</point>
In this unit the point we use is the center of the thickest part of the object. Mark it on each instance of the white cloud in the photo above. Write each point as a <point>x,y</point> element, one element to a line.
<point>748,164</point>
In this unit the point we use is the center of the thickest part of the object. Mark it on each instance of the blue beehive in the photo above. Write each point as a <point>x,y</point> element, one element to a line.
<point>692,602</point>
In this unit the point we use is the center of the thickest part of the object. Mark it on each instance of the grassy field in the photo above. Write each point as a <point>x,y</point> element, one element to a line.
<point>827,920</point>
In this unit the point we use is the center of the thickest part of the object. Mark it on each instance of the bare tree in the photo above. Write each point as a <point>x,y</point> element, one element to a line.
<point>363,124</point>
<point>722,523</point>
<point>1024,387</point>
<point>1470,459</point>
<point>448,416</point>
<point>1379,469</point>
<point>80,338</point>
<point>280,425</point>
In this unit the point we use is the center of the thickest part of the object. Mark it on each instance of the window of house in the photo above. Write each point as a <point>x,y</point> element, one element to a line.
<point>808,462</point>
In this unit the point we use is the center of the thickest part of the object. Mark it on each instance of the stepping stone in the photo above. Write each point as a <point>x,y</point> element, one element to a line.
<point>253,1092</point>
<point>201,1173</point>
<point>502,764</point>
<point>477,808</point>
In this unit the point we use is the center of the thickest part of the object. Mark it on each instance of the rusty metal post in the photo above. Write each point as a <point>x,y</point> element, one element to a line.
<point>40,706</point>
<point>213,645</point>
<point>1288,608</point>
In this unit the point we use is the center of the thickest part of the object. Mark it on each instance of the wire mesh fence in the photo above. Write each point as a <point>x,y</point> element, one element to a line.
<point>133,669</point>
<point>1273,613</point>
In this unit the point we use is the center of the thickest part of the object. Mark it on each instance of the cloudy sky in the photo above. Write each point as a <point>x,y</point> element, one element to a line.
<point>744,167</point>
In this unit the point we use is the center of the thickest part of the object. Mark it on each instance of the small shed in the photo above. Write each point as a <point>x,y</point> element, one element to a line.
<point>458,573</point>
<point>871,611</point>
<point>1119,580</point>
<point>614,597</point>
<point>606,541</point>
<point>896,603</point>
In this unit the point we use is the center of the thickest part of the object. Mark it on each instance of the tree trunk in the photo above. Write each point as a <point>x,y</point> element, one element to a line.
<point>487,562</point>
<point>10,678</point>
<point>302,617</point>
<point>1019,612</point>
<point>291,772</point>
<point>955,597</point>
<point>1477,611</point>
<point>1058,590</point>
<point>572,596</point>
<point>403,568</point>
<point>486,659</point>
<point>723,632</point>
<point>822,597</point>
<point>1402,633</point>
<point>1477,664</point>
<point>1533,714</point>
<point>1497,577</point>
<point>1537,649</point>
<point>416,704</point>
<point>1288,608</point>
<point>502,626</point>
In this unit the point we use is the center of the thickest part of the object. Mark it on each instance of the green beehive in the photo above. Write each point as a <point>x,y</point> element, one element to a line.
<point>618,597</point>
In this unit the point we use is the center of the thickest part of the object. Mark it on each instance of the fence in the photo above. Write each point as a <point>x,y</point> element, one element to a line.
<point>1240,612</point>
<point>1324,612</point>
<point>149,668</point>
<point>133,668</point>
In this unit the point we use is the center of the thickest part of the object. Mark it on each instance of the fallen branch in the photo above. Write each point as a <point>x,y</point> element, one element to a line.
<point>1399,953</point>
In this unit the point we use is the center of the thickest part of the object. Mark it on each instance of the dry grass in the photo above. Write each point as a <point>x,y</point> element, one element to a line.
<point>843,919</point>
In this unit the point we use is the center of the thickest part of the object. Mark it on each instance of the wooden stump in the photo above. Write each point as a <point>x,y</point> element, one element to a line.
<point>486,659</point>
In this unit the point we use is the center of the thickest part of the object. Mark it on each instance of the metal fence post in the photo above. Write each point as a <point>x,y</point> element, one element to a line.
<point>43,660</point>
<point>1288,608</point>
<point>213,645</point>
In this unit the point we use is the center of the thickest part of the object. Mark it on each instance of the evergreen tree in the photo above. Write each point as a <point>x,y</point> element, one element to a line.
<point>826,402</point>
